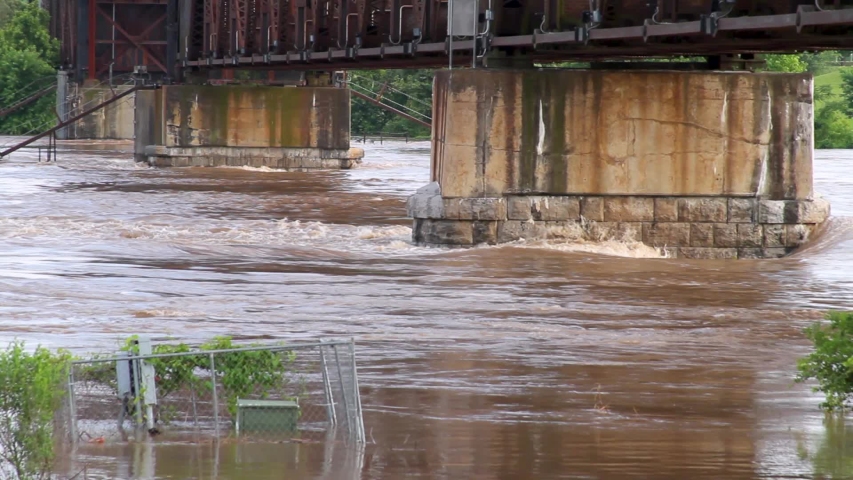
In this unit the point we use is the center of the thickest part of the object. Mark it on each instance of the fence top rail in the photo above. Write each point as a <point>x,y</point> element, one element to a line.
<point>271,348</point>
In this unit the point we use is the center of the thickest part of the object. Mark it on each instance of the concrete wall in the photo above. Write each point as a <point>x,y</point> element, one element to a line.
<point>699,164</point>
<point>250,116</point>
<point>294,128</point>
<point>115,121</point>
<point>561,132</point>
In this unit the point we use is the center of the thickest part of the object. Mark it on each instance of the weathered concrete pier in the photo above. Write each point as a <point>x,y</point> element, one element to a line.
<point>703,164</point>
<point>293,128</point>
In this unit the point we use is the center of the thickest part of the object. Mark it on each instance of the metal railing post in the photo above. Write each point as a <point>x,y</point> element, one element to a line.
<point>343,389</point>
<point>215,395</point>
<point>137,394</point>
<point>327,390</point>
<point>359,421</point>
<point>72,409</point>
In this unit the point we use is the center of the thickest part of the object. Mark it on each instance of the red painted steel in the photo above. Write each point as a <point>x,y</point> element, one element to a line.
<point>350,34</point>
<point>93,23</point>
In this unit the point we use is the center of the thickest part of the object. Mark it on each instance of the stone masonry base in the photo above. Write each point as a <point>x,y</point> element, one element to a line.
<point>686,227</point>
<point>298,159</point>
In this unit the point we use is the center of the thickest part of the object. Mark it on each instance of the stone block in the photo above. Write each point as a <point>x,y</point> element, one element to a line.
<point>796,235</point>
<point>492,209</point>
<point>555,208</point>
<point>666,209</point>
<point>704,253</point>
<point>513,230</point>
<point>702,209</point>
<point>628,232</point>
<point>666,234</point>
<point>629,209</point>
<point>748,253</point>
<point>774,235</point>
<point>775,252</point>
<point>725,235</point>
<point>741,210</point>
<point>426,202</point>
<point>518,208</point>
<point>771,211</point>
<point>807,211</point>
<point>750,235</point>
<point>602,231</point>
<point>484,232</point>
<point>592,208</point>
<point>701,234</point>
<point>443,232</point>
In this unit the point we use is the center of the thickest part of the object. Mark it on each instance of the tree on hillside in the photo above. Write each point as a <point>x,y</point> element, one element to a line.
<point>7,10</point>
<point>27,58</point>
<point>411,88</point>
<point>847,89</point>
<point>28,30</point>
<point>785,63</point>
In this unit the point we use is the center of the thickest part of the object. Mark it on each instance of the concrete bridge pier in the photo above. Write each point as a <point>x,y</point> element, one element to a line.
<point>113,122</point>
<point>287,127</point>
<point>703,164</point>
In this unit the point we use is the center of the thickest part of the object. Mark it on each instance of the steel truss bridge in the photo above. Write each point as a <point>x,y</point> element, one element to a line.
<point>171,37</point>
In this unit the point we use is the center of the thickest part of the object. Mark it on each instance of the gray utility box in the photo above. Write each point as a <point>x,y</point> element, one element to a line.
<point>267,416</point>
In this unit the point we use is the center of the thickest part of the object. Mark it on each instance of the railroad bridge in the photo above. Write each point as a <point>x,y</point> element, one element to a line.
<point>706,159</point>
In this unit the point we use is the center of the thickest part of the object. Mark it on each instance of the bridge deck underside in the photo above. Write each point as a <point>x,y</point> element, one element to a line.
<point>341,34</point>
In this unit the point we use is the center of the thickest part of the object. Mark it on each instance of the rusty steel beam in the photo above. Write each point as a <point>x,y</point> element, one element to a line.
<point>639,40</point>
<point>134,39</point>
<point>349,34</point>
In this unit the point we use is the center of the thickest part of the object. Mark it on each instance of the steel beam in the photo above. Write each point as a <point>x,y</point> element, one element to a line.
<point>134,40</point>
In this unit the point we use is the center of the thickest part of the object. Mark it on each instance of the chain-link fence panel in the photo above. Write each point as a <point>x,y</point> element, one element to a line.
<point>306,391</point>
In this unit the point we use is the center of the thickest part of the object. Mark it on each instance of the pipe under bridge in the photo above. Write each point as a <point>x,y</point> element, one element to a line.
<point>103,37</point>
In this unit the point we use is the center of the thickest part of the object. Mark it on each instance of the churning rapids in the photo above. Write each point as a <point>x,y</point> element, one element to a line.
<point>558,360</point>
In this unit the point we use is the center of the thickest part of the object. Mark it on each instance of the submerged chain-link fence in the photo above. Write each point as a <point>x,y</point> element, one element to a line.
<point>174,391</point>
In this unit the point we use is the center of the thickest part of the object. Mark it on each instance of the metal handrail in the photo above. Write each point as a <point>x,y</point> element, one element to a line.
<point>271,348</point>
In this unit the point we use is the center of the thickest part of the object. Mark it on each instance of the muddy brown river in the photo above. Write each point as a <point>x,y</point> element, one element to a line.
<point>525,361</point>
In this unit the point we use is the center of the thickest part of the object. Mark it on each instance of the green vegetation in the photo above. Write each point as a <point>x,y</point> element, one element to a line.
<point>27,64</point>
<point>831,364</point>
<point>833,94</point>
<point>238,374</point>
<point>32,387</point>
<point>410,88</point>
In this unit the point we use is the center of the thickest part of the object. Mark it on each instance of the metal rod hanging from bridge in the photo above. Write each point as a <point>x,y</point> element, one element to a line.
<point>26,101</point>
<point>73,119</point>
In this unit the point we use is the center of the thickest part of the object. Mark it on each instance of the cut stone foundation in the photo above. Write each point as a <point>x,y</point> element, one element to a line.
<point>700,164</point>
<point>683,227</point>
<point>294,159</point>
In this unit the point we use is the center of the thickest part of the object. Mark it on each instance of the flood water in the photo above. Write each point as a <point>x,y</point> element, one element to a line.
<point>511,362</point>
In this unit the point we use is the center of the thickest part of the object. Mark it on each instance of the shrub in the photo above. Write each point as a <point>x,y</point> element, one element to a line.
<point>31,391</point>
<point>239,374</point>
<point>831,364</point>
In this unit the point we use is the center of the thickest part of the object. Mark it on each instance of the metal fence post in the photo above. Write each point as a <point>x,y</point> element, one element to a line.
<point>137,397</point>
<point>327,390</point>
<point>343,389</point>
<point>72,410</point>
<point>215,395</point>
<point>359,421</point>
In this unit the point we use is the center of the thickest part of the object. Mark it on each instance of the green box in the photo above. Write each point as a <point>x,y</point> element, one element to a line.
<point>267,416</point>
